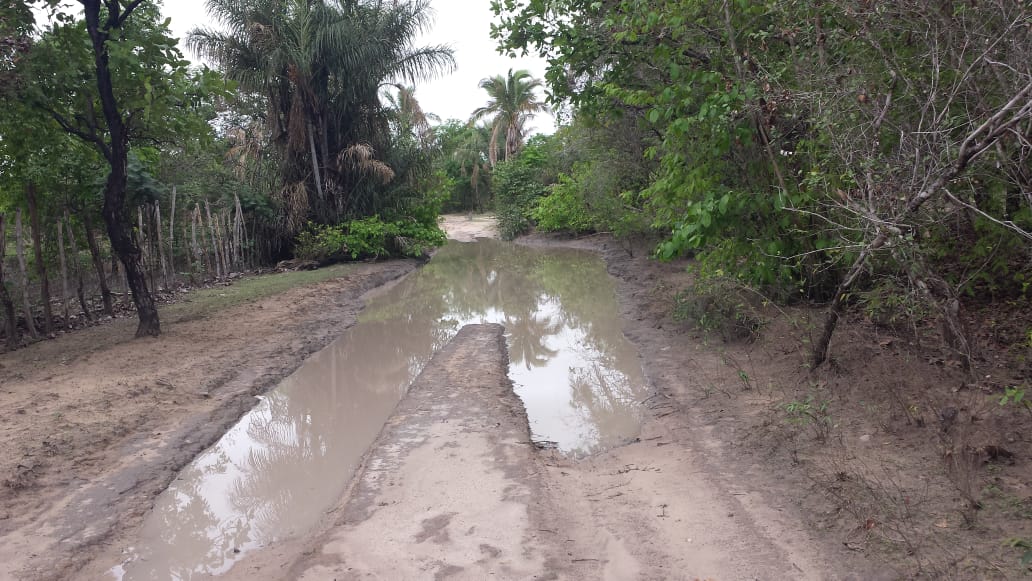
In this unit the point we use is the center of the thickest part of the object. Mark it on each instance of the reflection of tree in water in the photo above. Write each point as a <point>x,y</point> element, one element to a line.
<point>605,398</point>
<point>528,333</point>
<point>203,542</point>
<point>467,282</point>
<point>305,448</point>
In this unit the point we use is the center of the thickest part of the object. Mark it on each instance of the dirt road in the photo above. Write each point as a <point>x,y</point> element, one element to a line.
<point>452,488</point>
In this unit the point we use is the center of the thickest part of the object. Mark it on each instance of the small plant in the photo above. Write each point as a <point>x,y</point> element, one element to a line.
<point>744,377</point>
<point>716,305</point>
<point>811,413</point>
<point>1016,396</point>
<point>1026,544</point>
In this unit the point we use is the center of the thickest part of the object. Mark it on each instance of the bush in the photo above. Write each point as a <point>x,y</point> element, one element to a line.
<point>368,238</point>
<point>516,189</point>
<point>563,209</point>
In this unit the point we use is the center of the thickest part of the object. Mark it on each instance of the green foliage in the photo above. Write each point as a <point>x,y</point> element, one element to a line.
<point>512,102</point>
<point>778,137</point>
<point>368,238</point>
<point>1016,396</point>
<point>1026,546</point>
<point>889,305</point>
<point>319,69</point>
<point>563,209</point>
<point>810,413</point>
<point>516,192</point>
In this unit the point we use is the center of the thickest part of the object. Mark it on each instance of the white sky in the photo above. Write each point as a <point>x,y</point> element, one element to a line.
<point>465,25</point>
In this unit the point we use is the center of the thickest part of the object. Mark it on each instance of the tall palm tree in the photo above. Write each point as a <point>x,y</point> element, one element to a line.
<point>320,65</point>
<point>513,101</point>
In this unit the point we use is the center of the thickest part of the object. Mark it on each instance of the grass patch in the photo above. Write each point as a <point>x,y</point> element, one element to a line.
<point>203,302</point>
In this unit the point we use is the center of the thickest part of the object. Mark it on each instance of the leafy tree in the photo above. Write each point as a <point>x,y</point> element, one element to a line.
<point>138,87</point>
<point>464,162</point>
<point>16,25</point>
<point>798,168</point>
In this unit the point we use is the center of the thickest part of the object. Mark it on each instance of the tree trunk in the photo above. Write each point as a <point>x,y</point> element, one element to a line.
<point>159,240</point>
<point>220,230</point>
<point>64,274</point>
<point>199,262</point>
<point>30,322</point>
<point>190,266</point>
<point>214,242</point>
<point>6,304</point>
<point>238,232</point>
<point>143,242</point>
<point>172,242</point>
<point>41,265</point>
<point>116,152</point>
<point>77,266</point>
<point>315,163</point>
<point>98,265</point>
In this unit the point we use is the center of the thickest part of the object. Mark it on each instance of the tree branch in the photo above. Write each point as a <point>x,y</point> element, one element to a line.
<point>91,136</point>
<point>128,11</point>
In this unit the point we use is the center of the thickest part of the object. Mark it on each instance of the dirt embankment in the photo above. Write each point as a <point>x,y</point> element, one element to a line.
<point>96,424</point>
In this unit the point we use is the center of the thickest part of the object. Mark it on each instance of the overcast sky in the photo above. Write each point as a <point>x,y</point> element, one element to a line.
<point>465,25</point>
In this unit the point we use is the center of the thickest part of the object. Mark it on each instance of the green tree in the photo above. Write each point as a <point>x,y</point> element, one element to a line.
<point>807,171</point>
<point>512,102</point>
<point>138,88</point>
<point>320,66</point>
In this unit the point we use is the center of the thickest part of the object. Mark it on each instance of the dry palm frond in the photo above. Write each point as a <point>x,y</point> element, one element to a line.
<point>360,159</point>
<point>297,128</point>
<point>295,202</point>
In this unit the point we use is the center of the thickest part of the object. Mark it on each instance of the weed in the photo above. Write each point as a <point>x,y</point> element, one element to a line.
<point>716,305</point>
<point>744,377</point>
<point>811,413</point>
<point>1016,396</point>
<point>1026,545</point>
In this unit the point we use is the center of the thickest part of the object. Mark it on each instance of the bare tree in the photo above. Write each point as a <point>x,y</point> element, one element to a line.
<point>930,134</point>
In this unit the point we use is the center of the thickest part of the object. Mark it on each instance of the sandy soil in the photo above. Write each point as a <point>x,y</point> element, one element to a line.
<point>467,228</point>
<point>720,485</point>
<point>453,490</point>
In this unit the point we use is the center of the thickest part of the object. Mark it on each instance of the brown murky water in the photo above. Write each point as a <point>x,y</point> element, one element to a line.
<point>274,474</point>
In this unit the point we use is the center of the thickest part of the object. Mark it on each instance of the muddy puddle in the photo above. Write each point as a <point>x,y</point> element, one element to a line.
<point>276,472</point>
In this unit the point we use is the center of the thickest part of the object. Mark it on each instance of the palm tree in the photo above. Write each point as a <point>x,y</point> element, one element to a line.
<point>473,157</point>
<point>320,65</point>
<point>513,101</point>
<point>408,115</point>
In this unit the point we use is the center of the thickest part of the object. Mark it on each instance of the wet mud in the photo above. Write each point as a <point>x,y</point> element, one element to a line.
<point>274,474</point>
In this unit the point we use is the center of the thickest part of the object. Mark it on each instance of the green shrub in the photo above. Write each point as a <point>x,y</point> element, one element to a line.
<point>368,238</point>
<point>516,189</point>
<point>563,209</point>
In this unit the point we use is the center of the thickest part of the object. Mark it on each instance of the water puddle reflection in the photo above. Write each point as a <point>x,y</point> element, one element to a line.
<point>274,474</point>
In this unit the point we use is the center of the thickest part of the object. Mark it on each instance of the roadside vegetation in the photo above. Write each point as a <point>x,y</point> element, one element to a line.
<point>126,171</point>
<point>813,164</point>
<point>838,153</point>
